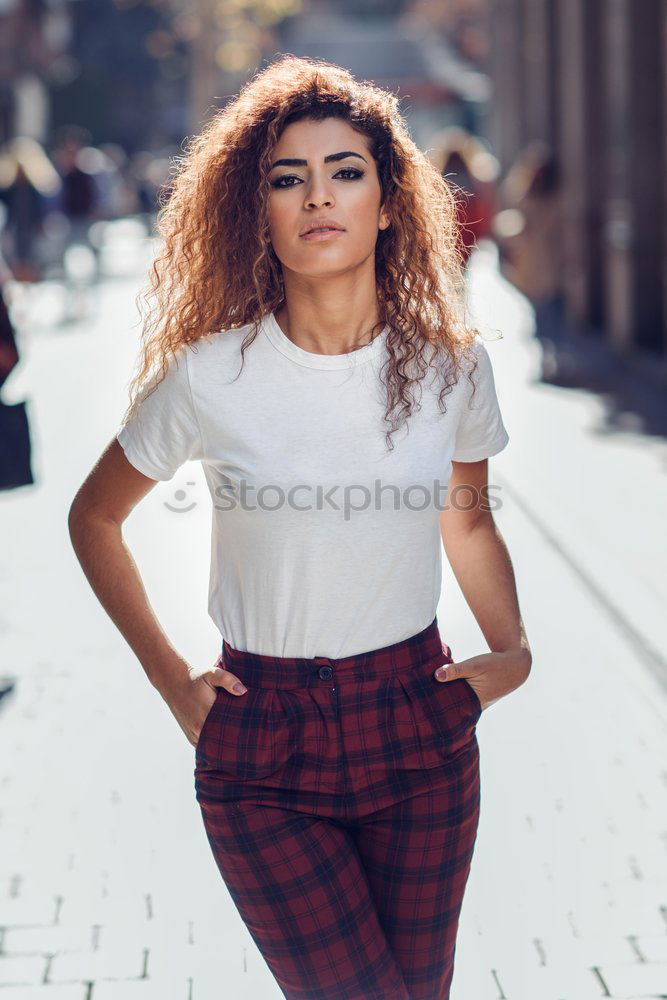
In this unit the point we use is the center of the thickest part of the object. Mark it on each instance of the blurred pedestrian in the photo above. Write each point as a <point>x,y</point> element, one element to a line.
<point>9,354</point>
<point>529,233</point>
<point>336,762</point>
<point>15,444</point>
<point>471,170</point>
<point>117,197</point>
<point>150,174</point>
<point>81,196</point>
<point>28,182</point>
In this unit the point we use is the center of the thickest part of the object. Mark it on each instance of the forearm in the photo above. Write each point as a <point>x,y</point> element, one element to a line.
<point>114,576</point>
<point>481,564</point>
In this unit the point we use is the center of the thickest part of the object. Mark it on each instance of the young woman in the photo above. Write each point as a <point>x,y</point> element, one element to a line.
<point>309,294</point>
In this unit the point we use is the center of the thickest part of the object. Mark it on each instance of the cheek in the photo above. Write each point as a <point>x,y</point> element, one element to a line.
<point>280,229</point>
<point>282,226</point>
<point>364,212</point>
<point>276,218</point>
<point>364,208</point>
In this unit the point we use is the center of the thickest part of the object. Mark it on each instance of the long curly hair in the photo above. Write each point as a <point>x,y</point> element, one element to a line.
<point>217,269</point>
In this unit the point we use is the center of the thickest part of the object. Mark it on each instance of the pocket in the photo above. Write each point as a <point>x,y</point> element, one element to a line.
<point>474,697</point>
<point>208,715</point>
<point>444,712</point>
<point>441,715</point>
<point>247,736</point>
<point>454,710</point>
<point>462,688</point>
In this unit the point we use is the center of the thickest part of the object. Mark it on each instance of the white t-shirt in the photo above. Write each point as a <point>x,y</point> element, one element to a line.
<point>324,542</point>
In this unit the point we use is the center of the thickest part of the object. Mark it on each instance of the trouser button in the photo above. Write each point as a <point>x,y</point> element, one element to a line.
<point>325,673</point>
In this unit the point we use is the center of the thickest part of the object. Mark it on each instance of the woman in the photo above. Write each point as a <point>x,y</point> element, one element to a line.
<point>310,248</point>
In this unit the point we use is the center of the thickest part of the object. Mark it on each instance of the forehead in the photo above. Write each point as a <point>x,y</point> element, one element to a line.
<point>307,136</point>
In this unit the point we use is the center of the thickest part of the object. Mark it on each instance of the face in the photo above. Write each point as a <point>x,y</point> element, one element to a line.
<point>330,175</point>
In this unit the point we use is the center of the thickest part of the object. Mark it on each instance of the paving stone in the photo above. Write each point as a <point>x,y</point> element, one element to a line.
<point>46,940</point>
<point>11,881</point>
<point>103,910</point>
<point>107,963</point>
<point>547,983</point>
<point>168,933</point>
<point>637,907</point>
<point>584,995</point>
<point>255,984</point>
<point>653,949</point>
<point>589,950</point>
<point>639,980</point>
<point>226,957</point>
<point>22,970</point>
<point>28,911</point>
<point>473,979</point>
<point>68,991</point>
<point>144,989</point>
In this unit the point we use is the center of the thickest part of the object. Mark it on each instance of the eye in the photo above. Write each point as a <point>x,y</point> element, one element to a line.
<point>285,177</point>
<point>294,177</point>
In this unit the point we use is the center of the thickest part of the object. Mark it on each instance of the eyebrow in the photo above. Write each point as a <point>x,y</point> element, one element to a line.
<point>333,157</point>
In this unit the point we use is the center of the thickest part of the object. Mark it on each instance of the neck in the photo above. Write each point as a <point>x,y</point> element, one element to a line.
<point>335,332</point>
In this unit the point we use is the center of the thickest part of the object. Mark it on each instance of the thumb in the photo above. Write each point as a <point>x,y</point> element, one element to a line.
<point>448,672</point>
<point>215,676</point>
<point>221,678</point>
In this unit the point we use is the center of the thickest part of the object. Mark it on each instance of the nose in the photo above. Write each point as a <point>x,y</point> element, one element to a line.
<point>319,193</point>
<point>319,202</point>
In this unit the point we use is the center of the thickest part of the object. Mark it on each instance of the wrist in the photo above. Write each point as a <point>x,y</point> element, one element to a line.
<point>519,656</point>
<point>169,674</point>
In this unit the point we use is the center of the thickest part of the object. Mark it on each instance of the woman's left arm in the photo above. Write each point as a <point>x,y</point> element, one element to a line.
<point>481,564</point>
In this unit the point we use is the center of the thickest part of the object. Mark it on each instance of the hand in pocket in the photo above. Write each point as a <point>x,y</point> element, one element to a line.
<point>490,675</point>
<point>192,704</point>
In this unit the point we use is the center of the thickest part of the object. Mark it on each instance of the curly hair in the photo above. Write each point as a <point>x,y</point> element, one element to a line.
<point>217,269</point>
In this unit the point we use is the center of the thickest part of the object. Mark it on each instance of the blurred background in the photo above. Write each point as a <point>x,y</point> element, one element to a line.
<point>550,115</point>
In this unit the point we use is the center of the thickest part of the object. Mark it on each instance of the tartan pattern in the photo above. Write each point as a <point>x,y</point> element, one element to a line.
<point>341,802</point>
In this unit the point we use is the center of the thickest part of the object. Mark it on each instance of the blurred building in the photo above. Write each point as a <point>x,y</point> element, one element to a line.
<point>397,50</point>
<point>128,74</point>
<point>34,42</point>
<point>588,77</point>
<point>118,68</point>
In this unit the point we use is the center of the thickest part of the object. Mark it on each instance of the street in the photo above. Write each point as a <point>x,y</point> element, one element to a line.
<point>108,888</point>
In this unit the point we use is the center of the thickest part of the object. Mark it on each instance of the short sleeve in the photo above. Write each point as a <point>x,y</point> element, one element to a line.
<point>163,432</point>
<point>481,431</point>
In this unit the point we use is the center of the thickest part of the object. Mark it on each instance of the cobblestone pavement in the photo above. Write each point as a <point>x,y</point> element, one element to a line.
<point>108,890</point>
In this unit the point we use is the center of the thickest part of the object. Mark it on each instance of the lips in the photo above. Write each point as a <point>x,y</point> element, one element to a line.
<point>323,226</point>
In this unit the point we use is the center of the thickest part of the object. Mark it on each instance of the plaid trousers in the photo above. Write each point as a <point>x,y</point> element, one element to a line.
<point>341,802</point>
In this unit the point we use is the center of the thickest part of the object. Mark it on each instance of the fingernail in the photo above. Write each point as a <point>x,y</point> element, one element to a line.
<point>441,672</point>
<point>239,689</point>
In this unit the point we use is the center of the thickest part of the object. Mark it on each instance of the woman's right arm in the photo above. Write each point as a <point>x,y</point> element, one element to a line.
<point>108,495</point>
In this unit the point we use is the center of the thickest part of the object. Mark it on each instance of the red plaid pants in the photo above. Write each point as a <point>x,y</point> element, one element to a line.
<point>341,802</point>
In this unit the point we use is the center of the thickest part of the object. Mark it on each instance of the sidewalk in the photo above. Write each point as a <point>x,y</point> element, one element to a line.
<point>108,890</point>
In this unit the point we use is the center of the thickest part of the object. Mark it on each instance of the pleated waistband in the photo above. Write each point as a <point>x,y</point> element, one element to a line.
<point>424,649</point>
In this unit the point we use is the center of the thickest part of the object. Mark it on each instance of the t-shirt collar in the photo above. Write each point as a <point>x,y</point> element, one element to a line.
<point>329,362</point>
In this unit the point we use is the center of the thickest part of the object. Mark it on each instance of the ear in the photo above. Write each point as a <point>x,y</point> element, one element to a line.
<point>384,220</point>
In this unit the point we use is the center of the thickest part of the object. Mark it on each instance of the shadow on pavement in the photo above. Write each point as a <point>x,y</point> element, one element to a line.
<point>634,388</point>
